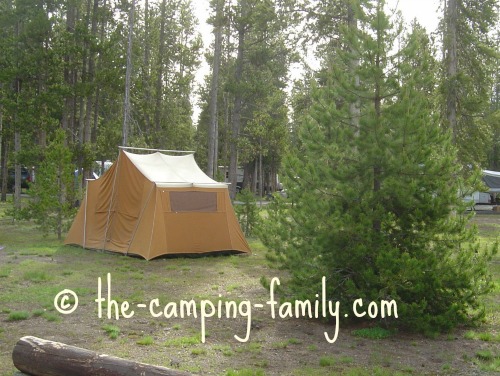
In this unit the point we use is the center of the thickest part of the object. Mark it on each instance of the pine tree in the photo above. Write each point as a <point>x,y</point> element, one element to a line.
<point>52,203</point>
<point>376,209</point>
<point>469,61</point>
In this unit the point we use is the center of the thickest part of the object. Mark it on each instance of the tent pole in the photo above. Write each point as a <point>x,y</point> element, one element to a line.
<point>146,149</point>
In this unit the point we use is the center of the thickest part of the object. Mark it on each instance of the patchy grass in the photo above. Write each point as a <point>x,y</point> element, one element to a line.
<point>18,315</point>
<point>372,333</point>
<point>184,341</point>
<point>112,331</point>
<point>33,269</point>
<point>146,341</point>
<point>326,361</point>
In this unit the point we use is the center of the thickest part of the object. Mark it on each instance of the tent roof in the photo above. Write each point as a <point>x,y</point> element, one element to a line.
<point>172,170</point>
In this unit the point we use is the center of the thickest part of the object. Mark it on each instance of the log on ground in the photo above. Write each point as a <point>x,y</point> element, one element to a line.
<point>40,357</point>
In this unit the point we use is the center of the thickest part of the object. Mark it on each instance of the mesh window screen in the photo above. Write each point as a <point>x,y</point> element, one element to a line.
<point>193,201</point>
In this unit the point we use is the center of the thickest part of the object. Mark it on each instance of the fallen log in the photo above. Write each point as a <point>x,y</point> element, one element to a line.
<point>40,357</point>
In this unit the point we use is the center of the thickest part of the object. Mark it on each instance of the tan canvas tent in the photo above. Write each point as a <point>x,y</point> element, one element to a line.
<point>156,204</point>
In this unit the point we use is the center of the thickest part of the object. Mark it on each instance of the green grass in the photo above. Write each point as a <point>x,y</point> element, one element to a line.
<point>5,272</point>
<point>326,361</point>
<point>482,336</point>
<point>184,341</point>
<point>112,331</point>
<point>224,349</point>
<point>36,276</point>
<point>198,351</point>
<point>146,341</point>
<point>18,315</point>
<point>372,333</point>
<point>51,317</point>
<point>245,372</point>
<point>484,355</point>
<point>250,347</point>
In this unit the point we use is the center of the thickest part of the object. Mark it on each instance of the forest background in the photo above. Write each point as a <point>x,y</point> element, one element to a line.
<point>111,73</point>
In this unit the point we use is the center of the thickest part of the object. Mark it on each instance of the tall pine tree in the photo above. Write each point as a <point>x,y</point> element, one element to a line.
<point>376,208</point>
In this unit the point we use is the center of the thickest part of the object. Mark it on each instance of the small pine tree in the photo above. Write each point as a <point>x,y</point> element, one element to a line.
<point>53,203</point>
<point>376,208</point>
<point>247,211</point>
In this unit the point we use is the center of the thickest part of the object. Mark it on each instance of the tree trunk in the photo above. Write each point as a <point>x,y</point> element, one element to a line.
<point>354,106</point>
<point>147,72</point>
<point>68,108</point>
<point>1,146</point>
<point>451,14</point>
<point>17,171</point>
<point>91,75</point>
<point>128,75</point>
<point>377,225</point>
<point>236,123</point>
<point>212,127</point>
<point>93,137</point>
<point>159,77</point>
<point>261,175</point>
<point>39,357</point>
<point>3,166</point>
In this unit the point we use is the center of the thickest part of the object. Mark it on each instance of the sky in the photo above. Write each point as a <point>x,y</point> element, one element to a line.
<point>425,11</point>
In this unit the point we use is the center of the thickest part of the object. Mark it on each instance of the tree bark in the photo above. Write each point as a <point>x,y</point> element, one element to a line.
<point>159,78</point>
<point>3,166</point>
<point>212,128</point>
<point>128,75</point>
<point>39,357</point>
<point>67,119</point>
<point>354,106</point>
<point>147,72</point>
<point>452,64</point>
<point>238,99</point>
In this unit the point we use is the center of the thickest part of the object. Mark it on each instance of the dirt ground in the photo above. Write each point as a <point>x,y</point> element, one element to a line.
<point>277,346</point>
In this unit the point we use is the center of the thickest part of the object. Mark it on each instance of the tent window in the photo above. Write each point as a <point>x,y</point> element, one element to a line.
<point>193,201</point>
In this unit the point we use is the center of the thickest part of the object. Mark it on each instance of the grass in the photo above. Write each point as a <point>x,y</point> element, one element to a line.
<point>112,331</point>
<point>36,276</point>
<point>198,351</point>
<point>372,333</point>
<point>251,347</point>
<point>224,349</point>
<point>33,269</point>
<point>184,341</point>
<point>18,316</point>
<point>327,361</point>
<point>482,336</point>
<point>245,372</point>
<point>146,341</point>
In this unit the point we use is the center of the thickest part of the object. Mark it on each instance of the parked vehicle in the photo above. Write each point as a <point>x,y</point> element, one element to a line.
<point>25,178</point>
<point>479,198</point>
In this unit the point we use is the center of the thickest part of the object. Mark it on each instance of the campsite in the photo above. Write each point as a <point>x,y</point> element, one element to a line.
<point>249,187</point>
<point>35,268</point>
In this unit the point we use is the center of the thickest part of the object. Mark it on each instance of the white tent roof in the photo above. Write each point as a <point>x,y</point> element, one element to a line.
<point>172,170</point>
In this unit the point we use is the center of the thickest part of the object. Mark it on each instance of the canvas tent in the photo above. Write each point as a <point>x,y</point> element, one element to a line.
<point>156,204</point>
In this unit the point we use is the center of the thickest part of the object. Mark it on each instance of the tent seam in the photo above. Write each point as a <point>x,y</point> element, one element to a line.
<point>111,203</point>
<point>139,219</point>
